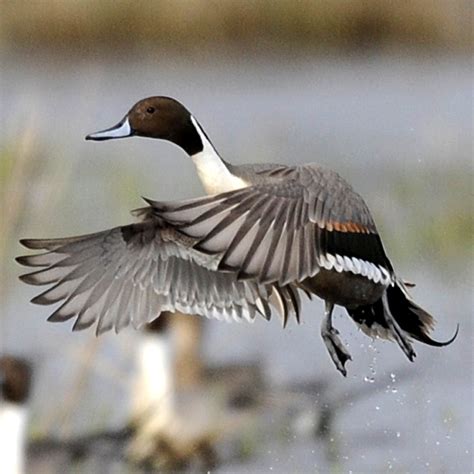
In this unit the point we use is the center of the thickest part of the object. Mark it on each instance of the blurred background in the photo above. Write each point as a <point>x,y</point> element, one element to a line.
<point>379,91</point>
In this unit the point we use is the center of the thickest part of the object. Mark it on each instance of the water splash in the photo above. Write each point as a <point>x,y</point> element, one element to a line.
<point>372,366</point>
<point>371,377</point>
<point>391,386</point>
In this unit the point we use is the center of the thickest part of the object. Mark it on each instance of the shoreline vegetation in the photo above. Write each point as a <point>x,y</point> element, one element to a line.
<point>285,25</point>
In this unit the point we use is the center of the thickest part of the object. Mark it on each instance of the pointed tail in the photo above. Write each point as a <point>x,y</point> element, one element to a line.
<point>412,319</point>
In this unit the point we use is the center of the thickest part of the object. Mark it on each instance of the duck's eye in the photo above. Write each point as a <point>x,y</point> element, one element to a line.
<point>150,110</point>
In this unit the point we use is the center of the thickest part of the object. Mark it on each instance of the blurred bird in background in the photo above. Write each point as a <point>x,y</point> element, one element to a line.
<point>15,388</point>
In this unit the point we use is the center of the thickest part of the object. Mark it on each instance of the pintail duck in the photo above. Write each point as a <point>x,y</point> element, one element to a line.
<point>15,388</point>
<point>264,234</point>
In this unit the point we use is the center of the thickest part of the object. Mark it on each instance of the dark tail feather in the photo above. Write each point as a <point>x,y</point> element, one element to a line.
<point>412,319</point>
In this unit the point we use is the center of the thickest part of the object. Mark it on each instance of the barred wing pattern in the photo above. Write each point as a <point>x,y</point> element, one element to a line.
<point>130,274</point>
<point>285,229</point>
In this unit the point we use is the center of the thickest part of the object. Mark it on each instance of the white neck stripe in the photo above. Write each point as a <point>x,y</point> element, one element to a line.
<point>206,144</point>
<point>212,171</point>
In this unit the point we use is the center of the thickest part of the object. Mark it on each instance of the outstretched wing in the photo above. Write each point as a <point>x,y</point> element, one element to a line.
<point>130,274</point>
<point>285,229</point>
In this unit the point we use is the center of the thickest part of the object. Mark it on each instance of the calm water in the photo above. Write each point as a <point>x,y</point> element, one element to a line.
<point>374,120</point>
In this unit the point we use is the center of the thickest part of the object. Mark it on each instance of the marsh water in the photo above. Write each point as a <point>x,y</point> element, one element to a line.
<point>398,128</point>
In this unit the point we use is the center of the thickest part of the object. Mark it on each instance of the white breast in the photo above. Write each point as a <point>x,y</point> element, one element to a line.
<point>213,173</point>
<point>153,388</point>
<point>13,417</point>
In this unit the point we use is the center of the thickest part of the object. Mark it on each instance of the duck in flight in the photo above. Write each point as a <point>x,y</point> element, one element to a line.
<point>263,235</point>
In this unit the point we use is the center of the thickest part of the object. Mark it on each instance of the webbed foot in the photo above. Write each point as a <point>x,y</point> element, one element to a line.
<point>336,349</point>
<point>334,345</point>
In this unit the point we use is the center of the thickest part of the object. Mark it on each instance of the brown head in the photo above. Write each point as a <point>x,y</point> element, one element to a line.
<point>15,379</point>
<point>157,117</point>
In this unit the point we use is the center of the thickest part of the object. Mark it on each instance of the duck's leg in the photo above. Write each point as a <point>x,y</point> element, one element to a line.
<point>396,331</point>
<point>336,349</point>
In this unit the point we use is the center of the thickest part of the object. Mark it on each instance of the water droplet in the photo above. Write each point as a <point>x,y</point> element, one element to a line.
<point>369,379</point>
<point>377,407</point>
<point>398,434</point>
<point>394,390</point>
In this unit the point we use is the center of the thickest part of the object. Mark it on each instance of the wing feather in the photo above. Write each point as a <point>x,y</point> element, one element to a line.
<point>129,275</point>
<point>284,228</point>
